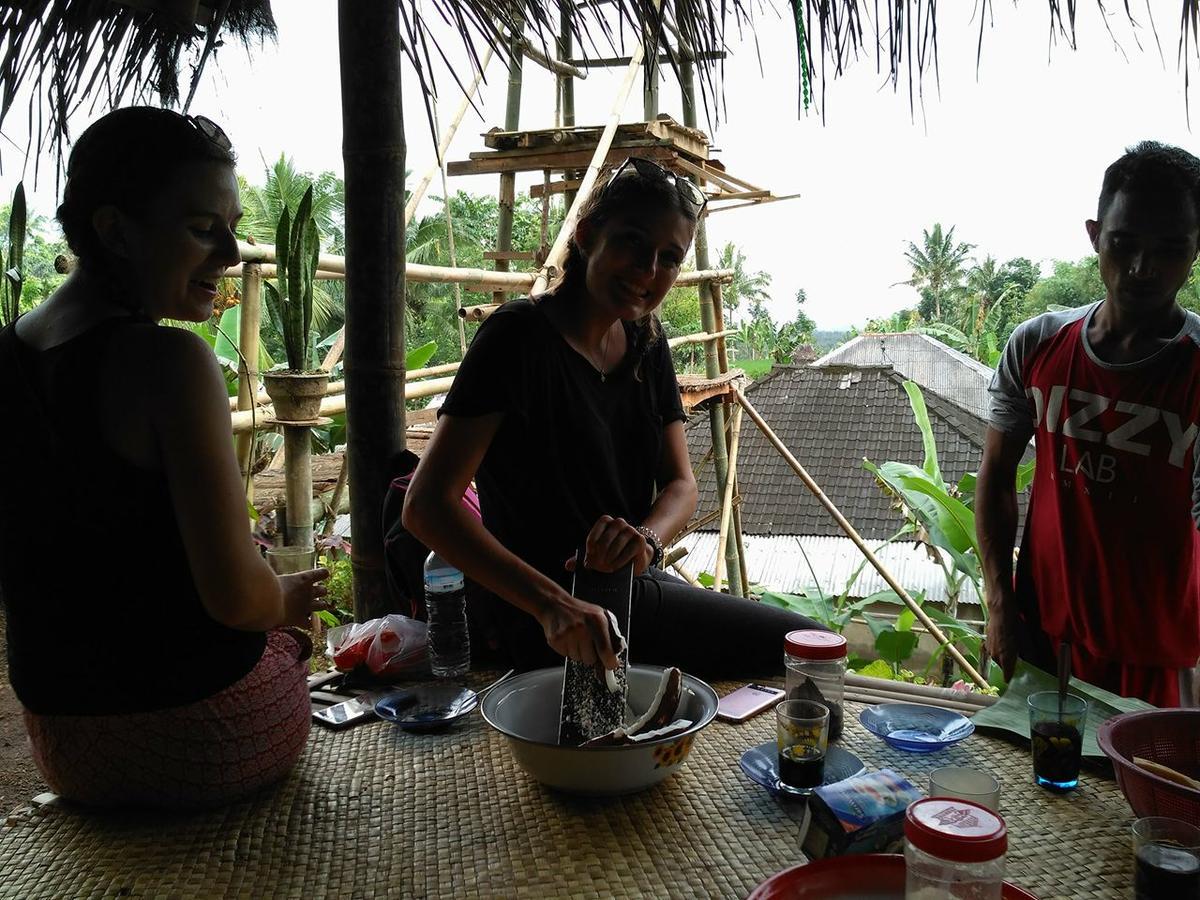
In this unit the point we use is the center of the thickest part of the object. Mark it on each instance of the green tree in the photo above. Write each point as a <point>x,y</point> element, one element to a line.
<point>938,269</point>
<point>1072,284</point>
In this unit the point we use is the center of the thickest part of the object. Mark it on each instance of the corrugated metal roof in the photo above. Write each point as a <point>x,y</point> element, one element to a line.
<point>927,361</point>
<point>778,562</point>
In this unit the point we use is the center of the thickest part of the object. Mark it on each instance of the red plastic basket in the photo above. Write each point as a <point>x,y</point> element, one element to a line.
<point>1167,736</point>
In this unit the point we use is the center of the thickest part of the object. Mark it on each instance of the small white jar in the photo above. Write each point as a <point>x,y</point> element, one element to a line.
<point>953,850</point>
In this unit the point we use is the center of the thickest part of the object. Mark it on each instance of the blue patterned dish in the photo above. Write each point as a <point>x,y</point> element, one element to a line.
<point>761,765</point>
<point>915,727</point>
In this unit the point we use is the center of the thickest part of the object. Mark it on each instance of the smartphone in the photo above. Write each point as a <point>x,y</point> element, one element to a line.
<point>343,715</point>
<point>748,701</point>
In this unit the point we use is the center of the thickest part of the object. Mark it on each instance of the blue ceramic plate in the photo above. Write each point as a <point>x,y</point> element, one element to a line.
<point>915,727</point>
<point>761,765</point>
<point>426,707</point>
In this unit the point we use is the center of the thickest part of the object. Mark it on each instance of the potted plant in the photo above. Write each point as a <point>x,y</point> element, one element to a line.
<point>298,390</point>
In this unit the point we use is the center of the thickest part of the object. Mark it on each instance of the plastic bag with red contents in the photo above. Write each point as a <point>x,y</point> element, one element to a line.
<point>388,646</point>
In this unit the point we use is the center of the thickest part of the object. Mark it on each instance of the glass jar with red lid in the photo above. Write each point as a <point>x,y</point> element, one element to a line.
<point>953,849</point>
<point>815,666</point>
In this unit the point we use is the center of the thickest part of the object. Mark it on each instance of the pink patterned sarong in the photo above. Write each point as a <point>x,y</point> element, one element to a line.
<point>205,754</point>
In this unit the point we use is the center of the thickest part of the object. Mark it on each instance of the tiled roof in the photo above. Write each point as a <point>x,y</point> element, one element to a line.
<point>830,417</point>
<point>928,362</point>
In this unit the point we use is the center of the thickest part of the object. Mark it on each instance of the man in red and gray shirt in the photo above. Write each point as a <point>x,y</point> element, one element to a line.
<point>1110,560</point>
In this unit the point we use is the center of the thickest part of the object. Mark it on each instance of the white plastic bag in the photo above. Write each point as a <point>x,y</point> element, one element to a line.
<point>389,646</point>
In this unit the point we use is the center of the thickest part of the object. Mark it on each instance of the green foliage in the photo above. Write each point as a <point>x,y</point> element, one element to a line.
<point>341,590</point>
<point>13,277</point>
<point>297,247</point>
<point>1072,284</point>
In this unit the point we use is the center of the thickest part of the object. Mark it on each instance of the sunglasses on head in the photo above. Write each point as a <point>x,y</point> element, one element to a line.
<point>648,169</point>
<point>210,130</point>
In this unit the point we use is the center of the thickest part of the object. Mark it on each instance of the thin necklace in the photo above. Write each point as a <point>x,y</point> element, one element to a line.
<point>603,355</point>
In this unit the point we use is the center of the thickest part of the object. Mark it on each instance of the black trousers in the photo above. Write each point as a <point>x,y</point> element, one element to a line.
<point>710,635</point>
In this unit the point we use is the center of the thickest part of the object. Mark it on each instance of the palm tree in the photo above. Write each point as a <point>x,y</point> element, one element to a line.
<point>746,285</point>
<point>938,268</point>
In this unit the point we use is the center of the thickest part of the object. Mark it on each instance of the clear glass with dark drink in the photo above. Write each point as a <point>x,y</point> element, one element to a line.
<point>1166,859</point>
<point>1056,735</point>
<point>802,735</point>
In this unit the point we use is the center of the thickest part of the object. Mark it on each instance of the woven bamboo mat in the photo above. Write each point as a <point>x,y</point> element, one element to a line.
<point>376,812</point>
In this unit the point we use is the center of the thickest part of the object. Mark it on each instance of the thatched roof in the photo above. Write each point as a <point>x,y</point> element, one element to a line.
<point>74,52</point>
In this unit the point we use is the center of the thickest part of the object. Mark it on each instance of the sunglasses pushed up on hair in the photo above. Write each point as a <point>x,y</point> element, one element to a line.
<point>210,130</point>
<point>650,169</point>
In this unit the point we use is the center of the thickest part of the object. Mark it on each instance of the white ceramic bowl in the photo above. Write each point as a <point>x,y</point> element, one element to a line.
<point>525,710</point>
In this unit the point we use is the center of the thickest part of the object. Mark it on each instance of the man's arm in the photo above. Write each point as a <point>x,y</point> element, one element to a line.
<point>996,526</point>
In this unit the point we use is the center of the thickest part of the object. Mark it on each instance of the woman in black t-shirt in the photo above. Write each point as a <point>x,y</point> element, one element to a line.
<point>566,412</point>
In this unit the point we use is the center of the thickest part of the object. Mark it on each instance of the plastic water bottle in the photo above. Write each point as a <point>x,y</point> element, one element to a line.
<point>446,608</point>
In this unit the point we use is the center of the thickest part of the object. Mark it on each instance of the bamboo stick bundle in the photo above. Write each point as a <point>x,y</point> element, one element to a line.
<point>922,693</point>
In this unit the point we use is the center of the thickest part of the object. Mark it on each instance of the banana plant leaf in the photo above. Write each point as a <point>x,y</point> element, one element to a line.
<point>949,522</point>
<point>1011,713</point>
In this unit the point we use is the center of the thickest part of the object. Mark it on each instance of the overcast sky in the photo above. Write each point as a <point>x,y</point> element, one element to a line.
<point>1013,160</point>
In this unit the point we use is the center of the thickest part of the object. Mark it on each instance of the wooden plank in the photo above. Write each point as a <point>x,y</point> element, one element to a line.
<point>577,159</point>
<point>717,209</point>
<point>688,139</point>
<point>741,195</point>
<point>718,176</point>
<point>636,140</point>
<point>555,187</point>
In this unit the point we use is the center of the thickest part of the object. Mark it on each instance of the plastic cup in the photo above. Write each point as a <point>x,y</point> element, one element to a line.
<point>1056,738</point>
<point>802,736</point>
<point>1166,859</point>
<point>963,783</point>
<point>290,560</point>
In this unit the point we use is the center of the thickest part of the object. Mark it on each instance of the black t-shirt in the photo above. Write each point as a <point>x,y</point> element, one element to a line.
<point>103,613</point>
<point>571,447</point>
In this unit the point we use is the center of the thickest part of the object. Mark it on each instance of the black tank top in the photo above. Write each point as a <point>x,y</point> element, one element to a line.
<point>103,614</point>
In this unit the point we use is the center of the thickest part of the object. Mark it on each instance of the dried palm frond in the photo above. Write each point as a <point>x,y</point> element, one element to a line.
<point>71,52</point>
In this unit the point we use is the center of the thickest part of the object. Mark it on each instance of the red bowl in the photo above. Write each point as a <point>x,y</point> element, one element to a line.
<point>872,874</point>
<point>1170,737</point>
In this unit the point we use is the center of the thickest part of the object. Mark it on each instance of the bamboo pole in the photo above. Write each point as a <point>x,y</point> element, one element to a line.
<point>713,324</point>
<point>462,331</point>
<point>566,86</point>
<point>270,271</point>
<point>338,387</point>
<point>727,502</point>
<point>874,697</point>
<point>298,490</point>
<point>850,531</point>
<point>334,404</point>
<point>508,180</point>
<point>418,193</point>
<point>737,536</point>
<point>558,252</point>
<point>249,323</point>
<point>699,337</point>
<point>557,66</point>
